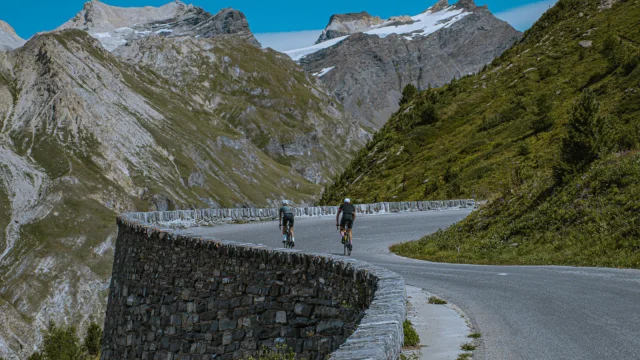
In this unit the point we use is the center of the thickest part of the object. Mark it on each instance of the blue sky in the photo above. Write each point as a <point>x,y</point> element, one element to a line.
<point>31,16</point>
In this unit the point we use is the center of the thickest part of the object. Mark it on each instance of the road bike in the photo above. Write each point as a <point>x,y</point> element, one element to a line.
<point>288,243</point>
<point>347,242</point>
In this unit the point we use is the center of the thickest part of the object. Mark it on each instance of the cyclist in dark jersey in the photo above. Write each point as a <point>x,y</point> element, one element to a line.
<point>286,216</point>
<point>348,217</point>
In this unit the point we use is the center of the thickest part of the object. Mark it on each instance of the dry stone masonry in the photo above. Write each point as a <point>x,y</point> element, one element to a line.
<point>184,297</point>
<point>190,218</point>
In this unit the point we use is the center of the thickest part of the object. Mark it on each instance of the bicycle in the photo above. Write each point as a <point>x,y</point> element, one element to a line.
<point>288,244</point>
<point>347,242</point>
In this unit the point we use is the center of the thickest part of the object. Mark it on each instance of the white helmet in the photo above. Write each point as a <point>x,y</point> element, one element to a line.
<point>347,200</point>
<point>285,202</point>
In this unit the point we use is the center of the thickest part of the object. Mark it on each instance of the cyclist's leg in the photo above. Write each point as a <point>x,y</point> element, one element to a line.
<point>291,229</point>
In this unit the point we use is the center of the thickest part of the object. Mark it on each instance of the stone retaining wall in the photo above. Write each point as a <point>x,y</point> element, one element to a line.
<point>192,218</point>
<point>179,297</point>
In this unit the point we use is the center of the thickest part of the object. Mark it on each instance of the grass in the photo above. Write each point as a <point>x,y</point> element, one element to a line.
<point>464,356</point>
<point>411,337</point>
<point>468,347</point>
<point>436,300</point>
<point>499,137</point>
<point>474,335</point>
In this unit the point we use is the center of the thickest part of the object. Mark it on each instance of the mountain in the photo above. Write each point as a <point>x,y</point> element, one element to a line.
<point>161,122</point>
<point>9,40</point>
<point>366,61</point>
<point>115,26</point>
<point>565,97</point>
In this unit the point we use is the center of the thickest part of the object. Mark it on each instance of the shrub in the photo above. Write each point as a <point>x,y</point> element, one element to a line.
<point>542,120</point>
<point>589,136</point>
<point>408,93</point>
<point>93,340</point>
<point>61,343</point>
<point>428,115</point>
<point>491,122</point>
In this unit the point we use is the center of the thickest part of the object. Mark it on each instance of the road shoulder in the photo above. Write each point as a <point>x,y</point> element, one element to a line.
<point>443,329</point>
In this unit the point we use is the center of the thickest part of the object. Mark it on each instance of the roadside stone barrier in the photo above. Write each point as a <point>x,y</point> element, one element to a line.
<point>191,218</point>
<point>182,297</point>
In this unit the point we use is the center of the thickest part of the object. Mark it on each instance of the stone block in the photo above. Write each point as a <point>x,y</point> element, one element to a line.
<point>303,309</point>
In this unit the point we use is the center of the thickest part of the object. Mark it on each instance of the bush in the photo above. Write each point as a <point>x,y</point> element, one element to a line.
<point>61,343</point>
<point>428,115</point>
<point>491,122</point>
<point>411,337</point>
<point>93,340</point>
<point>542,119</point>
<point>589,136</point>
<point>408,93</point>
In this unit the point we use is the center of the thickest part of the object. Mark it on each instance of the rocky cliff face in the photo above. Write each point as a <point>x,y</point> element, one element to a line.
<point>160,123</point>
<point>9,40</point>
<point>368,70</point>
<point>347,24</point>
<point>115,26</point>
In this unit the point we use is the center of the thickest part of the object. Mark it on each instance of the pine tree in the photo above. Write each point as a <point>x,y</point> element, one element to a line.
<point>589,136</point>
<point>408,93</point>
<point>61,343</point>
<point>93,340</point>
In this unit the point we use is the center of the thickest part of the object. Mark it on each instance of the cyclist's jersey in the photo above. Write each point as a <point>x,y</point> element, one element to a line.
<point>286,210</point>
<point>347,209</point>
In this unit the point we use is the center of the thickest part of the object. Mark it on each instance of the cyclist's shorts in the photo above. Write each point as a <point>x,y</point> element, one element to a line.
<point>346,221</point>
<point>287,218</point>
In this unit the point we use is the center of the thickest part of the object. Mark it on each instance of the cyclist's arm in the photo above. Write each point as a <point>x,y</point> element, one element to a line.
<point>354,216</point>
<point>338,217</point>
<point>280,217</point>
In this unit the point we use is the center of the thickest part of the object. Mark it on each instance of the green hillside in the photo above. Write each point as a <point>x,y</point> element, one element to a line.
<point>498,135</point>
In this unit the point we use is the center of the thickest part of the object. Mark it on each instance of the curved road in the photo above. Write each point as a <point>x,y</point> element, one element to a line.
<point>523,312</point>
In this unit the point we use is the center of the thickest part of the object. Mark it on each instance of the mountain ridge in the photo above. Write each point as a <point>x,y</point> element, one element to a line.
<point>367,70</point>
<point>9,40</point>
<point>114,26</point>
<point>159,123</point>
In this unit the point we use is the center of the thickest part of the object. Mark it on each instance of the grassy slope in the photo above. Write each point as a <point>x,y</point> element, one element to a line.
<point>484,129</point>
<point>483,147</point>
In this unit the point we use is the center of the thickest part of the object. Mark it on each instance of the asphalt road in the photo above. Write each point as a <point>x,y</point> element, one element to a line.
<point>523,312</point>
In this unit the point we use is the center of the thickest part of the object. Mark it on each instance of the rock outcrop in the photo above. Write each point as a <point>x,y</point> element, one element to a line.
<point>347,24</point>
<point>160,123</point>
<point>9,40</point>
<point>115,26</point>
<point>367,70</point>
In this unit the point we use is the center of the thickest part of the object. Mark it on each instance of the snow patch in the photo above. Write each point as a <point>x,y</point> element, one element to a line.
<point>103,35</point>
<point>423,24</point>
<point>162,31</point>
<point>324,71</point>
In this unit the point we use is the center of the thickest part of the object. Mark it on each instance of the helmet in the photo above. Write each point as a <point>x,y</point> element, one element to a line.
<point>285,202</point>
<point>347,200</point>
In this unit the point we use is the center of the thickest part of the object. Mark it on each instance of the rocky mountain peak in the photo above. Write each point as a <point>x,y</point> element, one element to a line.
<point>440,5</point>
<point>468,5</point>
<point>347,24</point>
<point>7,28</point>
<point>115,26</point>
<point>9,40</point>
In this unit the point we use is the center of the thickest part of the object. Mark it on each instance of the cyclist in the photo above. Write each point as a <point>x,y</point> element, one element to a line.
<point>348,217</point>
<point>286,216</point>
